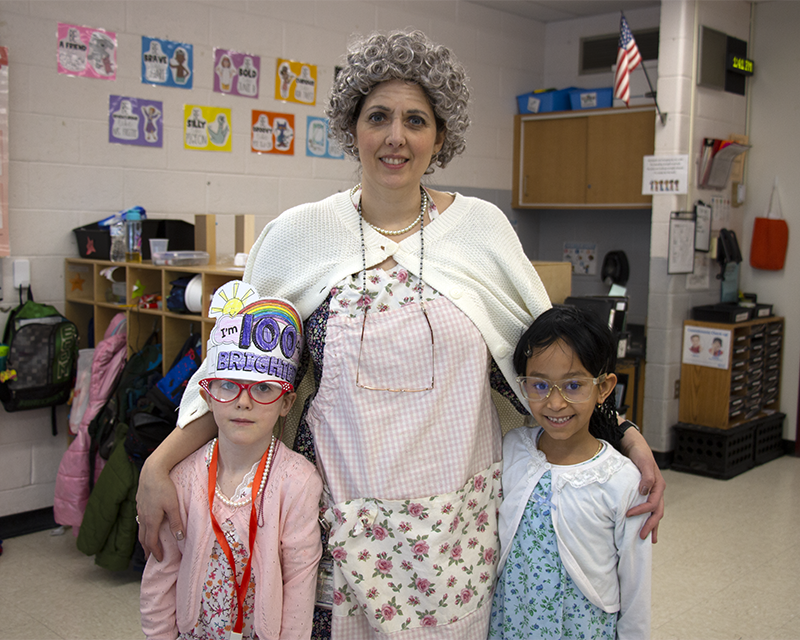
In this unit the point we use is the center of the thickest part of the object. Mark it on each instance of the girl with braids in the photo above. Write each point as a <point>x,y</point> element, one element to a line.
<point>572,564</point>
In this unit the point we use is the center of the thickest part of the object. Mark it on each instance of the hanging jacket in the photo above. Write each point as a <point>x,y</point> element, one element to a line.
<point>72,482</point>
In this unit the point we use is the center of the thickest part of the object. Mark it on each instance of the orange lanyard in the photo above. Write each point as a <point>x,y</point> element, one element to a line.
<point>240,587</point>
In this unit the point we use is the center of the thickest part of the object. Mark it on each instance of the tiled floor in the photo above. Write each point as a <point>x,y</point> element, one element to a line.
<point>727,567</point>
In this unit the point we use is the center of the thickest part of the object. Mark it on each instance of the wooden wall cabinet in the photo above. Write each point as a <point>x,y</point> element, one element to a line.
<point>582,159</point>
<point>90,295</point>
<point>750,386</point>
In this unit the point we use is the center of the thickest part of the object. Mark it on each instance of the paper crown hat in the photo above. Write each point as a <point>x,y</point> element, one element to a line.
<point>253,338</point>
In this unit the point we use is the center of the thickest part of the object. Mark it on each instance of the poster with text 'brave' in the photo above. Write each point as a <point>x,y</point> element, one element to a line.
<point>87,52</point>
<point>236,73</point>
<point>135,121</point>
<point>206,128</point>
<point>167,63</point>
<point>296,82</point>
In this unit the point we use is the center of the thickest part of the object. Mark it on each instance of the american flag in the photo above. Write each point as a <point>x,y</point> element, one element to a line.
<point>628,59</point>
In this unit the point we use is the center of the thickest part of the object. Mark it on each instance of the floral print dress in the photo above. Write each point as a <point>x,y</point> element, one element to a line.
<point>535,597</point>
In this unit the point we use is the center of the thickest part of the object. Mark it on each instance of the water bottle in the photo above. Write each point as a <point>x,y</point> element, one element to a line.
<point>133,230</point>
<point>118,246</point>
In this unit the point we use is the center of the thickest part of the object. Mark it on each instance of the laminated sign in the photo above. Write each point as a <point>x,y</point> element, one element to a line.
<point>206,128</point>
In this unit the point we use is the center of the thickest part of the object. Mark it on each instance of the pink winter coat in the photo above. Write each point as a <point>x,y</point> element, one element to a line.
<point>72,482</point>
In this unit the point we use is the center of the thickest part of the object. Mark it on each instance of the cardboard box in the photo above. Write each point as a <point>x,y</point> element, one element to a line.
<point>557,279</point>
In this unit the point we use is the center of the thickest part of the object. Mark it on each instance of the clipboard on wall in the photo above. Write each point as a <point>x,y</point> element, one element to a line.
<point>681,242</point>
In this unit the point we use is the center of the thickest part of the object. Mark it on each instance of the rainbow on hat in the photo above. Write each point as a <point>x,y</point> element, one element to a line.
<point>258,341</point>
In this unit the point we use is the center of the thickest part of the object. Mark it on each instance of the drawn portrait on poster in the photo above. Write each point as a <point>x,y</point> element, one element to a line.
<point>296,82</point>
<point>236,73</point>
<point>706,347</point>
<point>272,133</point>
<point>207,128</point>
<point>167,63</point>
<point>135,121</point>
<point>86,52</point>
<point>318,143</point>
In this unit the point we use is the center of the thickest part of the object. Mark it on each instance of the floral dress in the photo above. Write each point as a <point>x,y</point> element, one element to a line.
<point>535,597</point>
<point>219,597</point>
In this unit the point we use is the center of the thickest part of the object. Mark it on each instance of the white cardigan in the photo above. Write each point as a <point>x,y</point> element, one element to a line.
<point>472,255</point>
<point>599,546</point>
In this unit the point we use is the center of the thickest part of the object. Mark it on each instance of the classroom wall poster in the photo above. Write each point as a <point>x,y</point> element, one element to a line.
<point>272,133</point>
<point>706,347</point>
<point>583,256</point>
<point>5,246</point>
<point>206,128</point>
<point>236,73</point>
<point>318,144</point>
<point>135,121</point>
<point>296,82</point>
<point>167,63</point>
<point>87,52</point>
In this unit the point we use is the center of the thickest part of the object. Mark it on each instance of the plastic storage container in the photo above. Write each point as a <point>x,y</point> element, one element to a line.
<point>545,101</point>
<point>180,258</point>
<point>602,98</point>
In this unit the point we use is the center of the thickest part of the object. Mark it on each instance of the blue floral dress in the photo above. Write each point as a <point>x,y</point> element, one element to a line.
<point>535,597</point>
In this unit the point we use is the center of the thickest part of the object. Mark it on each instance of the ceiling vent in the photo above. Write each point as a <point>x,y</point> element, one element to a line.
<point>599,53</point>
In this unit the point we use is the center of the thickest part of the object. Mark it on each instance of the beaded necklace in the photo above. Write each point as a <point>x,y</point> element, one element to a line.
<point>245,501</point>
<point>424,201</point>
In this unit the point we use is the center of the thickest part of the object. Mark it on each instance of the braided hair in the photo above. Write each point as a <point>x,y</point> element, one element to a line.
<point>590,339</point>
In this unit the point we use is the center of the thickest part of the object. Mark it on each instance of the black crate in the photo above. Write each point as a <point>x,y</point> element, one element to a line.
<point>717,453</point>
<point>724,312</point>
<point>769,438</point>
<point>94,241</point>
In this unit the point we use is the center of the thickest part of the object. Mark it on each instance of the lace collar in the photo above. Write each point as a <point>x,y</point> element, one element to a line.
<point>597,470</point>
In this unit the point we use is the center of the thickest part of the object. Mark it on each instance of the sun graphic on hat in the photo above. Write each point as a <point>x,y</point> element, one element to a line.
<point>228,300</point>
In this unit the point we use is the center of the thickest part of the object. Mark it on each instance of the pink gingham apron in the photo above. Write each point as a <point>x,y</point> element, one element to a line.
<point>414,477</point>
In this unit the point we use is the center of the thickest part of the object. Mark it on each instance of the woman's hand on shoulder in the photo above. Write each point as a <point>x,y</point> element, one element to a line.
<point>155,498</point>
<point>652,484</point>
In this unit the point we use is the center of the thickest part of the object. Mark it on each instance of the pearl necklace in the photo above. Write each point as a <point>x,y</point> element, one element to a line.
<point>245,501</point>
<point>418,220</point>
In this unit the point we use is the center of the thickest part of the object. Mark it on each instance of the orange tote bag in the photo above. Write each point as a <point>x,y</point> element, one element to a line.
<point>770,237</point>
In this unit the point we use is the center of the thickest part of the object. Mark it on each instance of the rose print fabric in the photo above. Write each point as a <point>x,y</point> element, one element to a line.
<point>535,597</point>
<point>416,563</point>
<point>396,447</point>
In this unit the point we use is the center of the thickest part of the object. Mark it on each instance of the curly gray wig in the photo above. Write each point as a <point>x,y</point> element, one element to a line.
<point>408,56</point>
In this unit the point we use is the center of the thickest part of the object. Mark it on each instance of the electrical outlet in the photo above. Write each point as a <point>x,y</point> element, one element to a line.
<point>677,389</point>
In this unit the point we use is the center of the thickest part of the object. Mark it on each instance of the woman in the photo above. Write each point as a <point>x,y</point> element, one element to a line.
<point>417,298</point>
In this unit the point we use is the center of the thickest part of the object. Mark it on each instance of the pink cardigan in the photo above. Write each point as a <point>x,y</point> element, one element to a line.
<point>286,553</point>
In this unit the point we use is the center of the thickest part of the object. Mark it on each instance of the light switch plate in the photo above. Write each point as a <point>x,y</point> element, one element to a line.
<point>22,273</point>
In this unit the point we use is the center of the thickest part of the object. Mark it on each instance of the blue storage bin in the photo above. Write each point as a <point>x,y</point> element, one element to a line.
<point>545,101</point>
<point>601,98</point>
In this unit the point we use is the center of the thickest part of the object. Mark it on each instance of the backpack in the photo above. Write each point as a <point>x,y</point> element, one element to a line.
<point>141,372</point>
<point>42,358</point>
<point>157,414</point>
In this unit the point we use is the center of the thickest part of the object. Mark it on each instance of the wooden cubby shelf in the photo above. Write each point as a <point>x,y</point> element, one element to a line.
<point>92,300</point>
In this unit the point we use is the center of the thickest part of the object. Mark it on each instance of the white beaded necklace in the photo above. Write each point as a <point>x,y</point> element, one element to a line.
<point>245,501</point>
<point>422,206</point>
